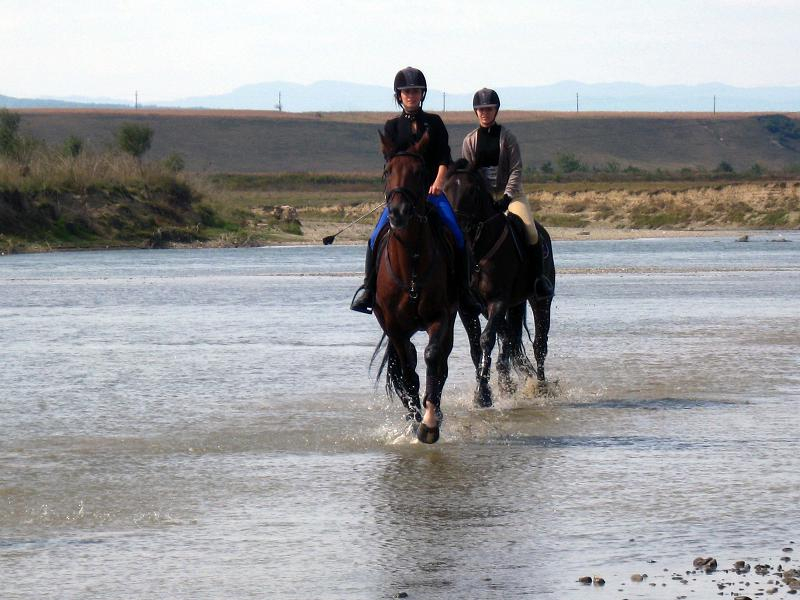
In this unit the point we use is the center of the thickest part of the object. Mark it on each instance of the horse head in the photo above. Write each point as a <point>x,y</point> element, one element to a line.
<point>404,181</point>
<point>469,195</point>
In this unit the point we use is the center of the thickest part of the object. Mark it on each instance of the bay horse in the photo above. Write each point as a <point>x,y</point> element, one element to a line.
<point>502,277</point>
<point>415,289</point>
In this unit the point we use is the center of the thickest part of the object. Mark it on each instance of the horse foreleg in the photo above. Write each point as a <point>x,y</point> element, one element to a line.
<point>483,393</point>
<point>472,326</point>
<point>403,373</point>
<point>541,316</point>
<point>440,344</point>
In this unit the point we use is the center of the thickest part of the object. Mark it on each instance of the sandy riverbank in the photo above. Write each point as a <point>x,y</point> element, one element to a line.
<point>315,231</point>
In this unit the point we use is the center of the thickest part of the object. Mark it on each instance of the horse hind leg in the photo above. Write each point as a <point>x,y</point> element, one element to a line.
<point>541,314</point>
<point>504,381</point>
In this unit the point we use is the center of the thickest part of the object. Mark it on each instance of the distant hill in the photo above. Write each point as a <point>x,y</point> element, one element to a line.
<point>10,102</point>
<point>325,96</point>
<point>250,142</point>
<point>342,96</point>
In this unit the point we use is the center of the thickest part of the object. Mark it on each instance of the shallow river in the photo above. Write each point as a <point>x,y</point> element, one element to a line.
<point>202,424</point>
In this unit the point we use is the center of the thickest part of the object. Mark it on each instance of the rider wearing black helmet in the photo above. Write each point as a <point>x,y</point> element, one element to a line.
<point>403,131</point>
<point>495,151</point>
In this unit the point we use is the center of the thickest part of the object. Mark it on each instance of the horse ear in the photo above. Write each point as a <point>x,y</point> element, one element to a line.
<point>419,147</point>
<point>387,147</point>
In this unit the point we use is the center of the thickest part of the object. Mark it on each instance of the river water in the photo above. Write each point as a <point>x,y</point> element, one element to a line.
<point>202,424</point>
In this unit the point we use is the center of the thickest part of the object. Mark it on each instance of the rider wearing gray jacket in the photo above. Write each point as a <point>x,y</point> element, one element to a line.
<point>494,150</point>
<point>506,178</point>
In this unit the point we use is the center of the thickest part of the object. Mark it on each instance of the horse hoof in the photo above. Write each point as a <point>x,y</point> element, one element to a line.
<point>483,397</point>
<point>427,435</point>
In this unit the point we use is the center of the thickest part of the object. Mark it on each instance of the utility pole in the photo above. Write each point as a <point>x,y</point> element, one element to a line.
<point>444,101</point>
<point>715,104</point>
<point>279,105</point>
<point>136,100</point>
<point>577,103</point>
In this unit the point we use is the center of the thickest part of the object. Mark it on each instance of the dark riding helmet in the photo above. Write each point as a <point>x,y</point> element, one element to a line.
<point>484,98</point>
<point>409,78</point>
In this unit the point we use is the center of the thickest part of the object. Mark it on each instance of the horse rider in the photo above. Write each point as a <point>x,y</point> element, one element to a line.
<point>402,132</point>
<point>494,150</point>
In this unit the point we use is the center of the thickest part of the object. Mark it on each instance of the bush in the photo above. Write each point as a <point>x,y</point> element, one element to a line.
<point>134,139</point>
<point>73,146</point>
<point>724,167</point>
<point>9,124</point>
<point>568,163</point>
<point>174,163</point>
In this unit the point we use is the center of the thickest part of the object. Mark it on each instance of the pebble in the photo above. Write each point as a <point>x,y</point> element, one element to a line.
<point>638,577</point>
<point>401,595</point>
<point>599,581</point>
<point>585,580</point>
<point>742,598</point>
<point>763,569</point>
<point>788,550</point>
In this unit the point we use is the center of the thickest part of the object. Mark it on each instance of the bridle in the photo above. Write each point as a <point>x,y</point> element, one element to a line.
<point>405,192</point>
<point>473,226</point>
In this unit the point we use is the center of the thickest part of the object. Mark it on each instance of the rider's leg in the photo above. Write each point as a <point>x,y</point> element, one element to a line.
<point>543,287</point>
<point>365,295</point>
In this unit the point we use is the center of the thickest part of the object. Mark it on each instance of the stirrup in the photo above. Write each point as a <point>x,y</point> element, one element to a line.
<point>363,304</point>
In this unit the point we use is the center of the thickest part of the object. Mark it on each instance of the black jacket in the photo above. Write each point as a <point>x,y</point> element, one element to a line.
<point>400,131</point>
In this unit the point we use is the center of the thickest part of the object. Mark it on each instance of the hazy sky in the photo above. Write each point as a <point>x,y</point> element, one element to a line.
<point>170,49</point>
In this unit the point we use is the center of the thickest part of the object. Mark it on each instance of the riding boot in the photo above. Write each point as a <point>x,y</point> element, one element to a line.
<point>542,286</point>
<point>365,294</point>
<point>466,298</point>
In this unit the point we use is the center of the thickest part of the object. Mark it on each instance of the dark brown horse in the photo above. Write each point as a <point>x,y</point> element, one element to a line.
<point>415,289</point>
<point>503,279</point>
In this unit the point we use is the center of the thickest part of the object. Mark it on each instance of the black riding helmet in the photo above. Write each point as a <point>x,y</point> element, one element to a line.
<point>409,78</point>
<point>484,98</point>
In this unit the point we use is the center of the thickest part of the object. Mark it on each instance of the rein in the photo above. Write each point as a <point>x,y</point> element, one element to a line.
<point>412,289</point>
<point>474,229</point>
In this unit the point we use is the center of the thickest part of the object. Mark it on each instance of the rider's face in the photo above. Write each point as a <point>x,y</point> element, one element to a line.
<point>411,98</point>
<point>486,115</point>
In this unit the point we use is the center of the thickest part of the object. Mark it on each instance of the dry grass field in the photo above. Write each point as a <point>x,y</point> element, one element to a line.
<point>213,141</point>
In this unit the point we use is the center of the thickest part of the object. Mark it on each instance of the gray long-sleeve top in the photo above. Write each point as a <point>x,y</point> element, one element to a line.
<point>508,179</point>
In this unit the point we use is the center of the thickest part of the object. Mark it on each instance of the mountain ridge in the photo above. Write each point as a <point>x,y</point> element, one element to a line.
<point>340,96</point>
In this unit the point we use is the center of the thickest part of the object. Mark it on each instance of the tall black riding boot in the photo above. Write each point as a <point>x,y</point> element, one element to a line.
<point>466,298</point>
<point>365,295</point>
<point>542,286</point>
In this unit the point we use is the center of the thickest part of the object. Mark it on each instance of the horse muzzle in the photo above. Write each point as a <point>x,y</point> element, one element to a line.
<point>400,214</point>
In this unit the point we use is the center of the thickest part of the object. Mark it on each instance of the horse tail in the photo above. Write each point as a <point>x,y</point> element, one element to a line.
<point>518,320</point>
<point>375,354</point>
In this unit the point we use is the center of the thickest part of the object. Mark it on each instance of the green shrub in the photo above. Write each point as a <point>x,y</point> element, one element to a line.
<point>134,139</point>
<point>174,163</point>
<point>73,146</point>
<point>9,126</point>
<point>569,163</point>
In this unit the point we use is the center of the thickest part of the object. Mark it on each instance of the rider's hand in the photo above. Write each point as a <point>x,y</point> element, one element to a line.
<point>436,188</point>
<point>502,204</point>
